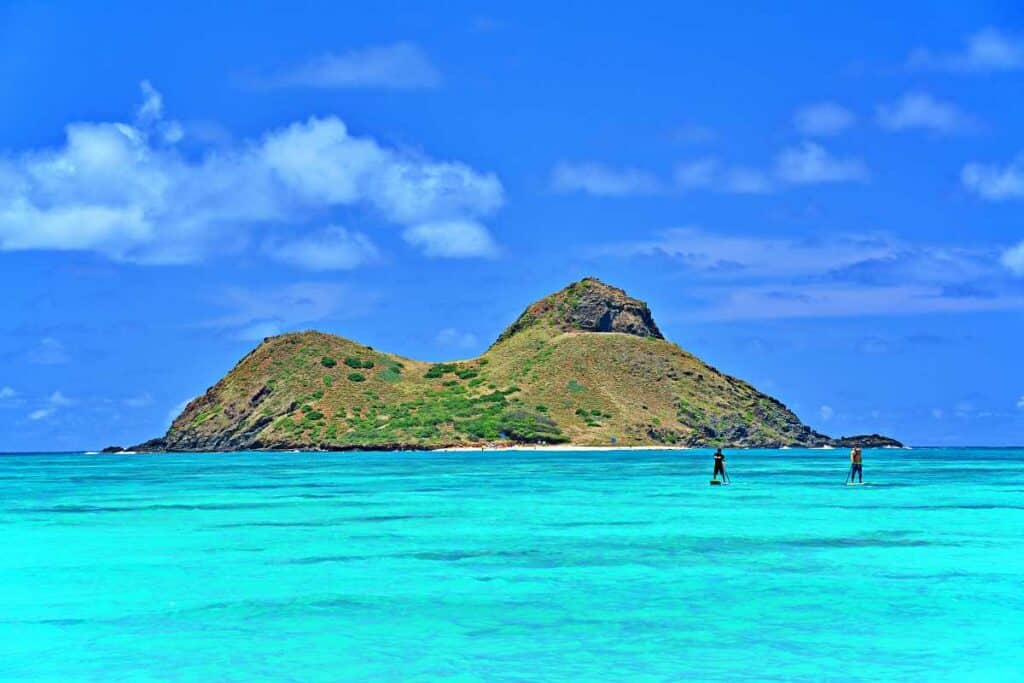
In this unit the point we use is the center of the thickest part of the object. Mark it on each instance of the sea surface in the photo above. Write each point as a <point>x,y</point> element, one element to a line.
<point>512,566</point>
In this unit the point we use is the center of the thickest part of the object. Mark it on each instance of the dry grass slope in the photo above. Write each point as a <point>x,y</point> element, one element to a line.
<point>561,373</point>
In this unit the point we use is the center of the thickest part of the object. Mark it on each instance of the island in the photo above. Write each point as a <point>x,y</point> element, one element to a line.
<point>585,366</point>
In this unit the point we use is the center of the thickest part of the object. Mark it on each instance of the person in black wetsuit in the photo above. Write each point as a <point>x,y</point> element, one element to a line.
<point>720,466</point>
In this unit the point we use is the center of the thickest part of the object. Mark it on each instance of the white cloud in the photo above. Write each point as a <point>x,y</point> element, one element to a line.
<point>333,248</point>
<point>259,313</point>
<point>1020,402</point>
<point>452,239</point>
<point>826,412</point>
<point>139,401</point>
<point>709,174</point>
<point>400,66</point>
<point>823,118</point>
<point>49,351</point>
<point>53,403</point>
<point>7,393</point>
<point>737,277</point>
<point>601,180</point>
<point>986,50</point>
<point>125,191</point>
<point>1013,258</point>
<point>921,110</point>
<point>993,182</point>
<point>811,163</point>
<point>451,337</point>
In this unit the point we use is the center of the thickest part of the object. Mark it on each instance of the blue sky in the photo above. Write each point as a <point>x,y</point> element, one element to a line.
<point>826,201</point>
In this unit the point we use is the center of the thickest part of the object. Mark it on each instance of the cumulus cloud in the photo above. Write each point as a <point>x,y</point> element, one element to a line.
<point>986,50</point>
<point>452,239</point>
<point>1013,258</point>
<point>7,393</point>
<point>823,118</point>
<point>601,180</point>
<point>265,312</point>
<point>1020,402</point>
<point>921,110</point>
<point>400,66</point>
<point>333,248</point>
<point>995,182</point>
<point>127,192</point>
<point>810,163</point>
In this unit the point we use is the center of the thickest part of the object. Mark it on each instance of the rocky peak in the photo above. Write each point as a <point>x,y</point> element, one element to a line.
<point>589,306</point>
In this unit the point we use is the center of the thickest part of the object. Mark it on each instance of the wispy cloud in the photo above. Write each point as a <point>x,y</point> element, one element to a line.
<point>810,163</point>
<point>986,50</point>
<point>265,312</point>
<point>333,248</point>
<point>602,180</point>
<point>399,66</point>
<point>125,191</point>
<point>805,164</point>
<point>457,339</point>
<point>48,351</point>
<point>711,174</point>
<point>56,401</point>
<point>7,393</point>
<point>752,277</point>
<point>921,110</point>
<point>994,182</point>
<point>823,118</point>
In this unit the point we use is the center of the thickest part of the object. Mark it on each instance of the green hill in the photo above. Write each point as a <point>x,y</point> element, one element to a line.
<point>586,365</point>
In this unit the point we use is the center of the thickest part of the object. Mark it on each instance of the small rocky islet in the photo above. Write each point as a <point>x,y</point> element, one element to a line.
<point>584,366</point>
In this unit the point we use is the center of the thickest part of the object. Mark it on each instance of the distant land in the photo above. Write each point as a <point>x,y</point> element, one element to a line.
<point>584,366</point>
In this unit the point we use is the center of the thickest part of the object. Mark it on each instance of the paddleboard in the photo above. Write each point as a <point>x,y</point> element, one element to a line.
<point>715,482</point>
<point>856,483</point>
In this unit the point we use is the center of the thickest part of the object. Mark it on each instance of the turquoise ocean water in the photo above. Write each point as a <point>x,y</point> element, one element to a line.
<point>570,566</point>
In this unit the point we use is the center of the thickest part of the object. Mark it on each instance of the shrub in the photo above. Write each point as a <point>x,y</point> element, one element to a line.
<point>575,387</point>
<point>328,362</point>
<point>542,408</point>
<point>367,364</point>
<point>353,362</point>
<point>467,374</point>
<point>314,415</point>
<point>356,377</point>
<point>439,370</point>
<point>328,380</point>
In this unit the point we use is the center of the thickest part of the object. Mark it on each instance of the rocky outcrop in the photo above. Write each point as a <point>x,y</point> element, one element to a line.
<point>589,306</point>
<point>866,441</point>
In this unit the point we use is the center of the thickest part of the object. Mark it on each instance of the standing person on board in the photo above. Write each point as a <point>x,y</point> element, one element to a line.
<point>720,466</point>
<point>856,465</point>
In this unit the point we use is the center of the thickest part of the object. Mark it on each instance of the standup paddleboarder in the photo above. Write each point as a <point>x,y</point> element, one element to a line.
<point>720,466</point>
<point>856,465</point>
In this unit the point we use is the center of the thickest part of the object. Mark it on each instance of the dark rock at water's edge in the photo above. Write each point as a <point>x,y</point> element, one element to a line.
<point>866,441</point>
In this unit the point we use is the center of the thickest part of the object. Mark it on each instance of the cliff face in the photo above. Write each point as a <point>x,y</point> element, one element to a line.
<point>586,365</point>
